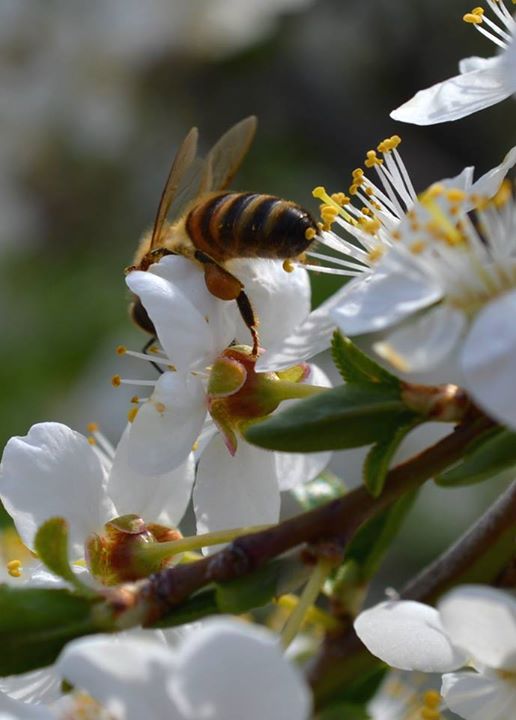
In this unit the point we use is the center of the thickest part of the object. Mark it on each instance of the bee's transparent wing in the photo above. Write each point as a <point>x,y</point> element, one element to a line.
<point>225,157</point>
<point>182,184</point>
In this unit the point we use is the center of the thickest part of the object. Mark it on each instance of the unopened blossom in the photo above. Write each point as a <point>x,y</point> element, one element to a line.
<point>54,471</point>
<point>224,670</point>
<point>482,82</point>
<point>473,627</point>
<point>370,213</point>
<point>237,484</point>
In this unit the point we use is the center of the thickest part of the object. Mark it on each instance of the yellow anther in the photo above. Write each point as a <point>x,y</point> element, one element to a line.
<point>473,18</point>
<point>432,698</point>
<point>121,350</point>
<point>133,412</point>
<point>396,235</point>
<point>328,213</point>
<point>160,407</point>
<point>504,194</point>
<point>369,226</point>
<point>357,174</point>
<point>92,427</point>
<point>370,191</point>
<point>435,190</point>
<point>430,714</point>
<point>456,195</point>
<point>389,144</point>
<point>365,211</point>
<point>135,399</point>
<point>153,349</point>
<point>288,266</point>
<point>195,446</point>
<point>353,189</point>
<point>91,440</point>
<point>310,233</point>
<point>116,381</point>
<point>372,159</point>
<point>375,254</point>
<point>340,198</point>
<point>14,568</point>
<point>417,247</point>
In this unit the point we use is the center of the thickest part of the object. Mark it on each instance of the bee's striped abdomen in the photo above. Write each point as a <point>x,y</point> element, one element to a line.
<point>238,225</point>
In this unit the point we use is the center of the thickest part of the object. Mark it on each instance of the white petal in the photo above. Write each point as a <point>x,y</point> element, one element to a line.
<point>157,498</point>
<point>39,686</point>
<point>474,62</point>
<point>481,620</point>
<point>11,709</point>
<point>478,697</point>
<point>230,670</point>
<point>425,342</point>
<point>310,338</point>
<point>182,331</point>
<point>409,636</point>
<point>488,359</point>
<point>488,184</point>
<point>165,428</point>
<point>455,98</point>
<point>293,469</point>
<point>129,676</point>
<point>53,472</point>
<point>235,491</point>
<point>281,300</point>
<point>393,291</point>
<point>188,278</point>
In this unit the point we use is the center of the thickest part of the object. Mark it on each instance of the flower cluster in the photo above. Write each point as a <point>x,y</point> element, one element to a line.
<point>225,428</point>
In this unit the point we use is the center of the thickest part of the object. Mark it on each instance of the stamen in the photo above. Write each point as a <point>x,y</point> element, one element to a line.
<point>121,350</point>
<point>116,381</point>
<point>14,568</point>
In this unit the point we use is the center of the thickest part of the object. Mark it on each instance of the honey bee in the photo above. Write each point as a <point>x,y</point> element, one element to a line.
<point>211,225</point>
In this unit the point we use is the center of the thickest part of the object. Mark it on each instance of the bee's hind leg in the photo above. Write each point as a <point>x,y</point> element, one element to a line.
<point>250,319</point>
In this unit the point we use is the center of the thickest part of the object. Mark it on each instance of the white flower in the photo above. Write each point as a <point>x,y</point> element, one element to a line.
<point>447,288</point>
<point>225,670</point>
<point>473,626</point>
<point>481,82</point>
<point>55,472</point>
<point>194,328</point>
<point>374,226</point>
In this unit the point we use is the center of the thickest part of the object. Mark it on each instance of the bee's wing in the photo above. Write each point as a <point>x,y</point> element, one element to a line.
<point>225,157</point>
<point>182,184</point>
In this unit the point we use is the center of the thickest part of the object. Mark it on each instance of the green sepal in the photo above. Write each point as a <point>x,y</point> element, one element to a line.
<point>343,417</point>
<point>36,623</point>
<point>325,488</point>
<point>489,456</point>
<point>377,462</point>
<point>356,367</point>
<point>51,545</point>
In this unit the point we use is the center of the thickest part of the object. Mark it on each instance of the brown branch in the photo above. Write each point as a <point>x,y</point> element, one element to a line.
<point>477,556</point>
<point>150,599</point>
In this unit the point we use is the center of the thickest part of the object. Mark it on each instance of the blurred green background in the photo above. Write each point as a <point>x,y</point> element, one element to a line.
<point>95,98</point>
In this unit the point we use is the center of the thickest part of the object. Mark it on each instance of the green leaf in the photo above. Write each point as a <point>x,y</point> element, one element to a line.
<point>377,462</point>
<point>488,457</point>
<point>343,417</point>
<point>278,577</point>
<point>356,367</point>
<point>374,538</point>
<point>344,711</point>
<point>36,623</point>
<point>51,544</point>
<point>320,491</point>
<point>195,608</point>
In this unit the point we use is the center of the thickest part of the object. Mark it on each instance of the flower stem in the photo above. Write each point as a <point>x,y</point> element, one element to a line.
<point>165,550</point>
<point>296,390</point>
<point>307,599</point>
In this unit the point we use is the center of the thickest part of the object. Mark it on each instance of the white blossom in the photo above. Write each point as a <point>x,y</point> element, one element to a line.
<point>481,82</point>
<point>55,472</point>
<point>473,627</point>
<point>373,220</point>
<point>237,484</point>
